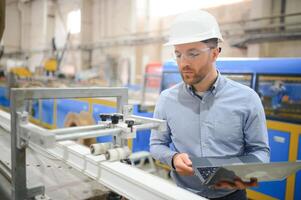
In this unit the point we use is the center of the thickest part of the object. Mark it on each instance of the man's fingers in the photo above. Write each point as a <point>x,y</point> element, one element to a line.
<point>225,185</point>
<point>184,170</point>
<point>239,184</point>
<point>184,173</point>
<point>253,182</point>
<point>182,164</point>
<point>186,160</point>
<point>182,167</point>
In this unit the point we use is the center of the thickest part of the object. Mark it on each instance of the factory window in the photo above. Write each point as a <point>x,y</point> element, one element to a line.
<point>281,96</point>
<point>74,21</point>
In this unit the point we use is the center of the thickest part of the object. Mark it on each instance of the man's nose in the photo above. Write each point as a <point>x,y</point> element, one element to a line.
<point>183,62</point>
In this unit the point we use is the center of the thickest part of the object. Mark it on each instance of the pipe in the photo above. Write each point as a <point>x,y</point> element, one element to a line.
<point>145,126</point>
<point>90,134</point>
<point>78,129</point>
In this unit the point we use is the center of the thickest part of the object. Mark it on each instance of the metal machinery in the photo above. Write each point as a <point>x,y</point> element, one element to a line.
<point>106,168</point>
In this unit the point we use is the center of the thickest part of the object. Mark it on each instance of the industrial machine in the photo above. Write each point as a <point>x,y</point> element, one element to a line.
<point>101,162</point>
<point>276,80</point>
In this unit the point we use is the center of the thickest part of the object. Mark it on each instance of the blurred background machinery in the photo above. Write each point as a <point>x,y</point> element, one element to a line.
<point>84,43</point>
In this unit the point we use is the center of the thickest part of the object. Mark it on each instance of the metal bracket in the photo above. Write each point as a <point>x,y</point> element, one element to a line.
<point>31,133</point>
<point>127,111</point>
<point>160,125</point>
<point>22,118</point>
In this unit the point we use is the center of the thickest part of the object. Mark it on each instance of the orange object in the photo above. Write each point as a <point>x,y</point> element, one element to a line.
<point>153,72</point>
<point>285,99</point>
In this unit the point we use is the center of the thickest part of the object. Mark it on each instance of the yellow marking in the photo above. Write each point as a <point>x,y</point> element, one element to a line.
<point>33,120</point>
<point>254,195</point>
<point>282,114</point>
<point>39,123</point>
<point>162,165</point>
<point>130,144</point>
<point>293,155</point>
<point>280,78</point>
<point>283,126</point>
<point>98,101</point>
<point>290,187</point>
<point>4,108</point>
<point>46,125</point>
<point>294,139</point>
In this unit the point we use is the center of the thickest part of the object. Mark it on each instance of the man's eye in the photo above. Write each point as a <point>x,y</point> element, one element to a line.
<point>178,55</point>
<point>194,54</point>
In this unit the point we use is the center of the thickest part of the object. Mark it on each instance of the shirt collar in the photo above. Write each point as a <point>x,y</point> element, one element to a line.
<point>213,89</point>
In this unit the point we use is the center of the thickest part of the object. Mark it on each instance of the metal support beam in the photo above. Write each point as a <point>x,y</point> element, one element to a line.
<point>61,131</point>
<point>90,134</point>
<point>22,132</point>
<point>66,93</point>
<point>18,155</point>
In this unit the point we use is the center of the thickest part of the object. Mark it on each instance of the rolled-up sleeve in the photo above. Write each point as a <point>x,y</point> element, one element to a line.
<point>255,131</point>
<point>159,141</point>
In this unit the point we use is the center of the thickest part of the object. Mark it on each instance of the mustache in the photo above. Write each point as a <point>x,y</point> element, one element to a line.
<point>187,69</point>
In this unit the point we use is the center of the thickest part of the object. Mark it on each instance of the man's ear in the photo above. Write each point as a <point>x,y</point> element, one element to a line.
<point>215,53</point>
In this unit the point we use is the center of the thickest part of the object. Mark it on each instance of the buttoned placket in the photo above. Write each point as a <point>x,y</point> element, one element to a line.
<point>203,115</point>
<point>203,101</point>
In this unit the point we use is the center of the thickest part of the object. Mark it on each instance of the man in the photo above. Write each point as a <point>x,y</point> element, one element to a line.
<point>207,114</point>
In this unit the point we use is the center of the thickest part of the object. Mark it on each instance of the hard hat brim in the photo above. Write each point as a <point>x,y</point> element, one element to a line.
<point>190,40</point>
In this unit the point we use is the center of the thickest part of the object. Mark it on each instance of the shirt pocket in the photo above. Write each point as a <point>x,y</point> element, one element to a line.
<point>228,128</point>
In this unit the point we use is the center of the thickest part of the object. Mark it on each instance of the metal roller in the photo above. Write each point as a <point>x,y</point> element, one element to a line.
<point>118,153</point>
<point>100,148</point>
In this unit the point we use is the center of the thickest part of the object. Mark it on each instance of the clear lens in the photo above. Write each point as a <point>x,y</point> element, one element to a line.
<point>191,55</point>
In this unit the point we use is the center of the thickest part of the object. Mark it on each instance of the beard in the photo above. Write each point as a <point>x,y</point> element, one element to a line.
<point>192,78</point>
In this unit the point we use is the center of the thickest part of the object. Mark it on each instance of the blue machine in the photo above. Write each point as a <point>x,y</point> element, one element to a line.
<point>64,106</point>
<point>276,80</point>
<point>4,102</point>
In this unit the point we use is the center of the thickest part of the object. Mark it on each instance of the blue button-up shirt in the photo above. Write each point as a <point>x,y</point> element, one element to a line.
<point>228,120</point>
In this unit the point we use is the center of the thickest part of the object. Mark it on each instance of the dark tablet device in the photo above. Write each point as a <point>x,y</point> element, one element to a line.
<point>212,170</point>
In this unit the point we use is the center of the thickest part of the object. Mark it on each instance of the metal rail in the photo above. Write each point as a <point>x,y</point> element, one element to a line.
<point>124,179</point>
<point>22,132</point>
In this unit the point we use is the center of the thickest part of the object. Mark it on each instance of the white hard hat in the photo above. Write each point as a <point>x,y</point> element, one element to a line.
<point>194,26</point>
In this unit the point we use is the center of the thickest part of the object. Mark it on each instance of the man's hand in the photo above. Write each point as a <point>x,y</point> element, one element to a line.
<point>237,184</point>
<point>182,164</point>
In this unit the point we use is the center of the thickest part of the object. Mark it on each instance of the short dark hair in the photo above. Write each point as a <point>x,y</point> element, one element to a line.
<point>212,43</point>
